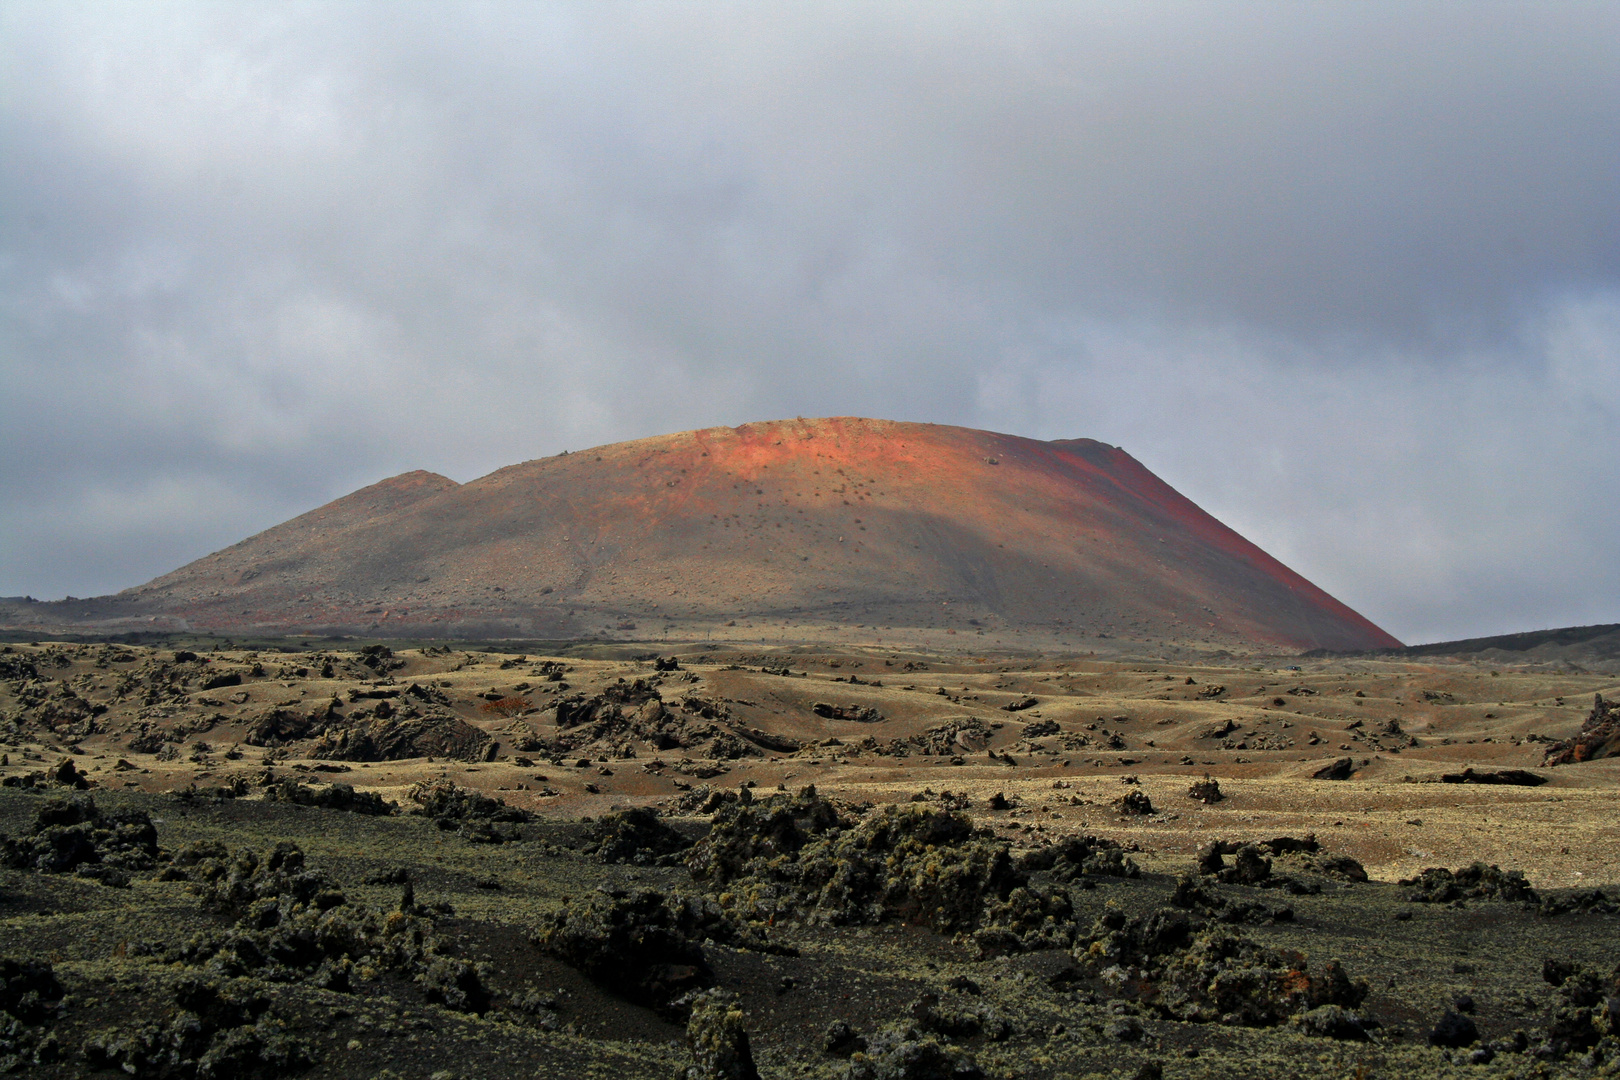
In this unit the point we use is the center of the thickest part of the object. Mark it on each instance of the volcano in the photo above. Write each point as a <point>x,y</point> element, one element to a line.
<point>780,529</point>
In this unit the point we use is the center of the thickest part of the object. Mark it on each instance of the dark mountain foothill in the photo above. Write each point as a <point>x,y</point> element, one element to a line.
<point>1567,648</point>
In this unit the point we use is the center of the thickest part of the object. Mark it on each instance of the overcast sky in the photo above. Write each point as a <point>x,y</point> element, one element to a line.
<point>1347,275</point>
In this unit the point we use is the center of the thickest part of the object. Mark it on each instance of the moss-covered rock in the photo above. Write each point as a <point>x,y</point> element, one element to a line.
<point>30,998</point>
<point>455,984</point>
<point>636,836</point>
<point>642,944</point>
<point>73,835</point>
<point>331,797</point>
<point>292,924</point>
<point>1437,885</point>
<point>1587,1014</point>
<point>903,1052</point>
<point>444,801</point>
<point>1223,976</point>
<point>753,838</point>
<point>801,857</point>
<point>1073,856</point>
<point>717,1036</point>
<point>233,882</point>
<point>1190,971</point>
<point>222,1029</point>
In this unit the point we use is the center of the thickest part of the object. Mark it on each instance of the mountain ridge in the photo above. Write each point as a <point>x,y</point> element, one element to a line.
<point>775,528</point>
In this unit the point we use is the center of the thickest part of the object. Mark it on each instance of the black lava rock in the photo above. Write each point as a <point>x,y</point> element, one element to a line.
<point>1454,1030</point>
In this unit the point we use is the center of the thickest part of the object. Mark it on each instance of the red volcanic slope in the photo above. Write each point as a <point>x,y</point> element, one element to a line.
<point>819,524</point>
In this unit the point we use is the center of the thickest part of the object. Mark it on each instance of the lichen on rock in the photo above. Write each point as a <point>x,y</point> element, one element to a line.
<point>644,945</point>
<point>1185,969</point>
<point>73,835</point>
<point>636,836</point>
<point>801,857</point>
<point>717,1036</point>
<point>1479,881</point>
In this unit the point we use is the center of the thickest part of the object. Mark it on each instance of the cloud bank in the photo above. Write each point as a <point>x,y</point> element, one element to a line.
<point>1348,276</point>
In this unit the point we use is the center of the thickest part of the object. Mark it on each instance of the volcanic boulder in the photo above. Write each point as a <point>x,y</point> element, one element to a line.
<point>1203,975</point>
<point>1342,769</point>
<point>1599,737</point>
<point>1514,777</point>
<point>1437,885</point>
<point>74,835</point>
<point>395,739</point>
<point>643,944</point>
<point>718,1040</point>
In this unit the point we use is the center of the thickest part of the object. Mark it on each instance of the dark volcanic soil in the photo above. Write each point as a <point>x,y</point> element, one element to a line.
<point>119,956</point>
<point>1010,874</point>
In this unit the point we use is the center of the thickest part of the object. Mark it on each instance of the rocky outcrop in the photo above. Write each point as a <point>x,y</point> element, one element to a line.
<point>1171,961</point>
<point>395,739</point>
<point>802,857</point>
<point>952,737</point>
<point>1253,863</point>
<point>857,714</point>
<point>73,835</point>
<point>717,1037</point>
<point>1513,777</point>
<point>1342,769</point>
<point>644,945</point>
<point>1598,738</point>
<point>1437,885</point>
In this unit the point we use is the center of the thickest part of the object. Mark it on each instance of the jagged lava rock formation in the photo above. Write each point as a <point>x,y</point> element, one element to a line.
<point>782,529</point>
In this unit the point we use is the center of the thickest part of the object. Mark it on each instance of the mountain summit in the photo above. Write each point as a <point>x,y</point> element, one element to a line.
<point>780,529</point>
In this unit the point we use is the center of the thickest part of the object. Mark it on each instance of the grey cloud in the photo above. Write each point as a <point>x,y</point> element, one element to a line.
<point>1349,276</point>
<point>1448,500</point>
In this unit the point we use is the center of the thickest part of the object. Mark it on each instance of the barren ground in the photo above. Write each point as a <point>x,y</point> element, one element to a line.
<point>1079,735</point>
